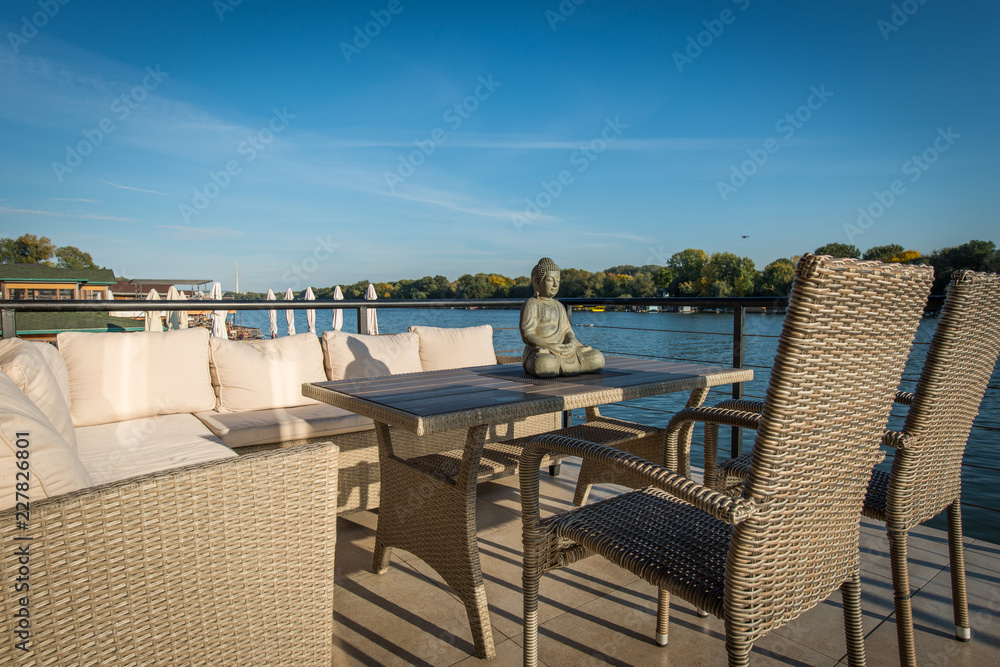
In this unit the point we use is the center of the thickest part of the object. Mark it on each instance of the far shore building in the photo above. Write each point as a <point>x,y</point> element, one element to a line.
<point>37,282</point>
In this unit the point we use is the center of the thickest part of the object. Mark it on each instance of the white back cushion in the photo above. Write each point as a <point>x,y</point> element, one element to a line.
<point>349,356</point>
<point>441,349</point>
<point>23,362</point>
<point>265,374</point>
<point>56,364</point>
<point>119,376</point>
<point>52,466</point>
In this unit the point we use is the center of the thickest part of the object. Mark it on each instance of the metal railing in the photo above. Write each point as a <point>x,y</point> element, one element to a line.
<point>738,305</point>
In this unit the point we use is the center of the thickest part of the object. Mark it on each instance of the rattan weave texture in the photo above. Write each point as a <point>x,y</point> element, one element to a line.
<point>795,528</point>
<point>925,477</point>
<point>221,563</point>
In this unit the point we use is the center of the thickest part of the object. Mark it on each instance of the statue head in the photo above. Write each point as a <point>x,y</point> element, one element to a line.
<point>545,278</point>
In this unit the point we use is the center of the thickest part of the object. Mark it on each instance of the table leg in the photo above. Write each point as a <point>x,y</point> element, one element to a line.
<point>435,519</point>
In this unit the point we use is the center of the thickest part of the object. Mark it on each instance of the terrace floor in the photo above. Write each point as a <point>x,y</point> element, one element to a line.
<point>595,613</point>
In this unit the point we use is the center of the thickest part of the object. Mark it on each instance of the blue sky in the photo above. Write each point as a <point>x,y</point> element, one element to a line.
<point>175,139</point>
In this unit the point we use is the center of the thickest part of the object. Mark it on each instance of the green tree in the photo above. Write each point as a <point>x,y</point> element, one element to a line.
<point>776,278</point>
<point>27,249</point>
<point>839,250</point>
<point>974,256</point>
<point>664,278</point>
<point>737,274</point>
<point>688,266</point>
<point>71,257</point>
<point>883,253</point>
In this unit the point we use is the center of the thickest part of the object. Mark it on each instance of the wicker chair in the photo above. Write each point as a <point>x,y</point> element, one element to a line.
<point>761,559</point>
<point>925,478</point>
<point>227,562</point>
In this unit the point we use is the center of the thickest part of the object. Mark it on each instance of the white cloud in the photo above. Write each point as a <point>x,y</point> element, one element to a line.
<point>129,187</point>
<point>63,214</point>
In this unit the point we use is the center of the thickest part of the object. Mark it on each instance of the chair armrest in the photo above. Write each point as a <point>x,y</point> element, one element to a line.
<point>725,508</point>
<point>508,359</point>
<point>677,453</point>
<point>202,558</point>
<point>742,404</point>
<point>904,398</point>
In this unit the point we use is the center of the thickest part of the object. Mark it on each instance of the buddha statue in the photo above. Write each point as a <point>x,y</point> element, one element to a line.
<point>550,347</point>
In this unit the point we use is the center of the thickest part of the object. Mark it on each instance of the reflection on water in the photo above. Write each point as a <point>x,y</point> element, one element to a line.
<point>704,337</point>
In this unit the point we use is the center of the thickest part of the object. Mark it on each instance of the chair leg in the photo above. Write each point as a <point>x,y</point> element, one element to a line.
<point>662,616</point>
<point>555,469</point>
<point>959,596</point>
<point>738,651</point>
<point>850,591</point>
<point>529,584</point>
<point>901,597</point>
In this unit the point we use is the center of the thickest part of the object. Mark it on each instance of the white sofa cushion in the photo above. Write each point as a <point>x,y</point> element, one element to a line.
<point>443,348</point>
<point>25,364</point>
<point>262,427</point>
<point>52,466</point>
<point>56,364</point>
<point>120,376</point>
<point>265,374</point>
<point>350,356</point>
<point>111,452</point>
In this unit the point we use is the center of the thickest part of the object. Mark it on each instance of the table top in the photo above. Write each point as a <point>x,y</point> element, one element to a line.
<point>435,401</point>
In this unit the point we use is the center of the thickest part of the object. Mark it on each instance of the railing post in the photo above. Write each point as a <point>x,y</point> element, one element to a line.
<point>363,320</point>
<point>7,321</point>
<point>739,334</point>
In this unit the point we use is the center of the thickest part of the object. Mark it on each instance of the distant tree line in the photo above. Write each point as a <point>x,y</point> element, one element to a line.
<point>690,272</point>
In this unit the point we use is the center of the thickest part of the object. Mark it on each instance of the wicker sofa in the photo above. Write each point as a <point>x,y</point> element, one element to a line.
<point>164,516</point>
<point>144,402</point>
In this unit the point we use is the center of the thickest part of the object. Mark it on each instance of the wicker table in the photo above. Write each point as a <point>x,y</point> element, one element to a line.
<point>433,516</point>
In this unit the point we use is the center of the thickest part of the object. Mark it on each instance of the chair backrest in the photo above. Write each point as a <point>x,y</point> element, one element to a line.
<point>926,473</point>
<point>842,350</point>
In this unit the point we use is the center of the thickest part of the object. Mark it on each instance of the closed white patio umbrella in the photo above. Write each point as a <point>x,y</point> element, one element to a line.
<point>338,314</point>
<point>290,314</point>
<point>176,319</point>
<point>310,314</point>
<point>272,315</point>
<point>182,315</point>
<point>372,315</point>
<point>218,316</point>
<point>154,318</point>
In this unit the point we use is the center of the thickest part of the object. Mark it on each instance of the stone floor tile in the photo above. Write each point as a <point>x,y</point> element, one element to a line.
<point>618,628</point>
<point>399,617</point>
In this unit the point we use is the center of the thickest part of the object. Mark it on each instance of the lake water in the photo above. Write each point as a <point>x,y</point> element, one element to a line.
<point>703,337</point>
